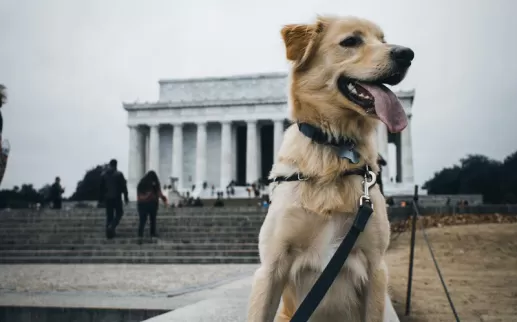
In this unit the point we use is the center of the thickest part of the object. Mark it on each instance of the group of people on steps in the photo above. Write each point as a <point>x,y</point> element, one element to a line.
<point>113,188</point>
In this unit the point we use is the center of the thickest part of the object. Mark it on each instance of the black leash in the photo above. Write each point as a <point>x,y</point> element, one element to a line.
<point>346,149</point>
<point>331,271</point>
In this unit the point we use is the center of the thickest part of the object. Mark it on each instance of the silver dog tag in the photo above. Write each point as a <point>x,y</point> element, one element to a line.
<point>345,152</point>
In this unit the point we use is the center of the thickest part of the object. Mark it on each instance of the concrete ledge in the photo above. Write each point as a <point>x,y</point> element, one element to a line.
<point>45,314</point>
<point>213,310</point>
<point>231,310</point>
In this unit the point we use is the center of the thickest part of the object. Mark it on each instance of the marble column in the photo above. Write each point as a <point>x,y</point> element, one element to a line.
<point>136,153</point>
<point>278,132</point>
<point>226,154</point>
<point>382,145</point>
<point>154,148</point>
<point>234,152</point>
<point>258,163</point>
<point>407,154</point>
<point>201,154</point>
<point>146,150</point>
<point>177,154</point>
<point>251,152</point>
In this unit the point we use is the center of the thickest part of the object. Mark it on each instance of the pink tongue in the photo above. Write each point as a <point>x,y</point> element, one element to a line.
<point>388,107</point>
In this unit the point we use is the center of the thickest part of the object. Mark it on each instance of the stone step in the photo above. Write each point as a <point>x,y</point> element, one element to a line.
<point>129,233</point>
<point>163,229</point>
<point>130,223</point>
<point>99,239</point>
<point>134,221</point>
<point>22,220</point>
<point>178,219</point>
<point>129,229</point>
<point>128,253</point>
<point>131,260</point>
<point>101,212</point>
<point>148,245</point>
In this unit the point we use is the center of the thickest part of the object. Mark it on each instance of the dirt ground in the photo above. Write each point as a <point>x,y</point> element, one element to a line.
<point>479,265</point>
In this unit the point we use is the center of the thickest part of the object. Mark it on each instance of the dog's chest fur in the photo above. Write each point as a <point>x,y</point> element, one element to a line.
<point>343,296</point>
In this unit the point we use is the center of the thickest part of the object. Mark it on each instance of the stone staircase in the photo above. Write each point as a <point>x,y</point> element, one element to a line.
<point>187,235</point>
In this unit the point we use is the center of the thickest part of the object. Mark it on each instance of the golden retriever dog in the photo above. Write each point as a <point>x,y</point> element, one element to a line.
<point>339,66</point>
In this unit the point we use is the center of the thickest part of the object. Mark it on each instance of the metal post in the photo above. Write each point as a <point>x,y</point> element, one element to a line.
<point>411,254</point>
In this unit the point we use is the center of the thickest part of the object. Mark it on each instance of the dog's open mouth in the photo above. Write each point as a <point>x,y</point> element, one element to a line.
<point>377,100</point>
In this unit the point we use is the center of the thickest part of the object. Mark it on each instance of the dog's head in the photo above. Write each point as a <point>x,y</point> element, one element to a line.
<point>342,64</point>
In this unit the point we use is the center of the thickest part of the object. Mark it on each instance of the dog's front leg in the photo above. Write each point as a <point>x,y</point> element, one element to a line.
<point>268,284</point>
<point>376,290</point>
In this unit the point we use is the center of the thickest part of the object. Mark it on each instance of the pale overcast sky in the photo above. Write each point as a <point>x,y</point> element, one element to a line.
<point>69,64</point>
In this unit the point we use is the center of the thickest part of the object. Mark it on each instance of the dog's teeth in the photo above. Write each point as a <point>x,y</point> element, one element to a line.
<point>350,86</point>
<point>353,90</point>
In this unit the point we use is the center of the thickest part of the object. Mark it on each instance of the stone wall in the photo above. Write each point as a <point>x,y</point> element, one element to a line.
<point>224,88</point>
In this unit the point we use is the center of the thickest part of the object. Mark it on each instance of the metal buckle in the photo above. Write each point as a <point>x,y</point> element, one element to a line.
<point>300,178</point>
<point>367,185</point>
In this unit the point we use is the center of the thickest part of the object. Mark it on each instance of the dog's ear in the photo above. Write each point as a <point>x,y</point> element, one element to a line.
<point>300,42</point>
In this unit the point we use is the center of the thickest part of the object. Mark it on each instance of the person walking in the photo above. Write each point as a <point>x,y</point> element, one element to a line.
<point>148,194</point>
<point>56,194</point>
<point>4,144</point>
<point>113,185</point>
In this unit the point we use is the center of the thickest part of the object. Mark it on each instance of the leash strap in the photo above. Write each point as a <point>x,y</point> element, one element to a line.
<point>331,271</point>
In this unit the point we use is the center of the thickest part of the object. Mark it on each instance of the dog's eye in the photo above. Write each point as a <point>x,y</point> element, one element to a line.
<point>351,41</point>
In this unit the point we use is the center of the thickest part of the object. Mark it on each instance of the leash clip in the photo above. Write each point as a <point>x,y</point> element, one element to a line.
<point>369,180</point>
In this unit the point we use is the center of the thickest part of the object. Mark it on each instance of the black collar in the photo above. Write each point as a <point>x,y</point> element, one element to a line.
<point>345,146</point>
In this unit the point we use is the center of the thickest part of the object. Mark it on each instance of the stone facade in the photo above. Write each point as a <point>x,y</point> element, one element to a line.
<point>191,132</point>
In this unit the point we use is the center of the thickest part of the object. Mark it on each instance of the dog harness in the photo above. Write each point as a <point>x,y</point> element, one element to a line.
<point>346,149</point>
<point>297,176</point>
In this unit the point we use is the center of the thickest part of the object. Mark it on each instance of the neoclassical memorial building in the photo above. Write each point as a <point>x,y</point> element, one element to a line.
<point>218,129</point>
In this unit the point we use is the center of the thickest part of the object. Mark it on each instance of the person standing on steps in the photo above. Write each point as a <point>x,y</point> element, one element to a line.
<point>113,186</point>
<point>4,145</point>
<point>56,194</point>
<point>148,194</point>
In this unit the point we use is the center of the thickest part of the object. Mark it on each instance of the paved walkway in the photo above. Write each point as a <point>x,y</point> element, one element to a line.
<point>161,287</point>
<point>116,279</point>
<point>193,293</point>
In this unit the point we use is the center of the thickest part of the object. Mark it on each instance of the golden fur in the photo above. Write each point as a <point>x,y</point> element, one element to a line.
<point>307,219</point>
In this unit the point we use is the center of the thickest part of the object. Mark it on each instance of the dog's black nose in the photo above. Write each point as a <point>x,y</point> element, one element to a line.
<point>402,55</point>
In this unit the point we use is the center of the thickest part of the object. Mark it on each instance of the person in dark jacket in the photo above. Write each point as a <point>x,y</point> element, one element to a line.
<point>113,186</point>
<point>56,192</point>
<point>4,150</point>
<point>149,193</point>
